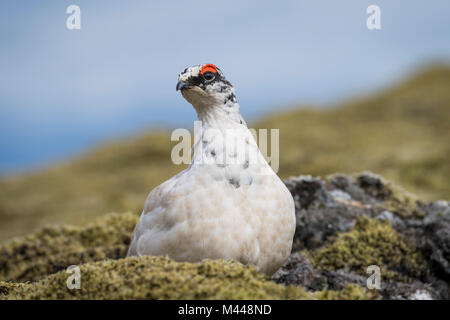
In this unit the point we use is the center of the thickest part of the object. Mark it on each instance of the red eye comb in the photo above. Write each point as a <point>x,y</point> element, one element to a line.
<point>208,67</point>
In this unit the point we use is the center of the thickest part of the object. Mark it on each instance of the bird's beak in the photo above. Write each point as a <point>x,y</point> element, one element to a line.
<point>182,85</point>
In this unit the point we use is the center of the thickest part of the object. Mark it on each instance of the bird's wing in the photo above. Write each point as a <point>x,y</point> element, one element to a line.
<point>153,208</point>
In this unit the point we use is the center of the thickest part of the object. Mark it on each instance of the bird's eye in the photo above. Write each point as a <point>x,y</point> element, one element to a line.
<point>208,75</point>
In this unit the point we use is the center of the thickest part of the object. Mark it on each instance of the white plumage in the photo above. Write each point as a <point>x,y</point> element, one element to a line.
<point>229,203</point>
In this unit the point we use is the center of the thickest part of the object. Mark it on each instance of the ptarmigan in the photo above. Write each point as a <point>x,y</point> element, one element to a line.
<point>228,203</point>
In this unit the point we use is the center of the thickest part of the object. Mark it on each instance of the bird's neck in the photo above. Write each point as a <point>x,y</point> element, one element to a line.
<point>220,116</point>
<point>218,110</point>
<point>222,137</point>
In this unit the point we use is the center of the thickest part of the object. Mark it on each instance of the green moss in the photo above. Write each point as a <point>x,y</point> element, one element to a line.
<point>54,248</point>
<point>350,292</point>
<point>403,204</point>
<point>157,278</point>
<point>371,242</point>
<point>163,278</point>
<point>99,248</point>
<point>8,288</point>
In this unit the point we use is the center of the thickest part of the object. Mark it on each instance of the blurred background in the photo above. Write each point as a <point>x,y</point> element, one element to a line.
<point>85,115</point>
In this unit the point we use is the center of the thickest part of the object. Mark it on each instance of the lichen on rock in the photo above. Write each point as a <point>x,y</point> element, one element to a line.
<point>347,222</point>
<point>371,242</point>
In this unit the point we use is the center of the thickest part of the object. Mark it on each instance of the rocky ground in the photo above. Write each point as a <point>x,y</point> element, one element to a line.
<point>344,225</point>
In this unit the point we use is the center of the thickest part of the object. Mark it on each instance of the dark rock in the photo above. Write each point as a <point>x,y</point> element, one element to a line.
<point>328,207</point>
<point>299,271</point>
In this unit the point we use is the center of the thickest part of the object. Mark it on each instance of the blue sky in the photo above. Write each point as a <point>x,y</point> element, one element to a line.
<point>64,91</point>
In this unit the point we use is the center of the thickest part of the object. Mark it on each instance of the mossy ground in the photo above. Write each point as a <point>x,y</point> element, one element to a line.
<point>371,242</point>
<point>34,267</point>
<point>349,292</point>
<point>158,278</point>
<point>55,248</point>
<point>162,278</point>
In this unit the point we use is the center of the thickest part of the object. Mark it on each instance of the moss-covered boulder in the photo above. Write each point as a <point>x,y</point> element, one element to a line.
<point>346,223</point>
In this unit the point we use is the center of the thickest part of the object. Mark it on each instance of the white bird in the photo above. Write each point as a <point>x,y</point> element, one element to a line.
<point>228,203</point>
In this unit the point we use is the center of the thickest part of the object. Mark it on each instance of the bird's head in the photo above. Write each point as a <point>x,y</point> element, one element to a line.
<point>205,86</point>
